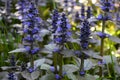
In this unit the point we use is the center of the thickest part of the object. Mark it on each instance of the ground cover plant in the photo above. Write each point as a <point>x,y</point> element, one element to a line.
<point>59,40</point>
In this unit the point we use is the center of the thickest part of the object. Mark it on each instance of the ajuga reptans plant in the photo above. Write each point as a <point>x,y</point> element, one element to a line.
<point>31,27</point>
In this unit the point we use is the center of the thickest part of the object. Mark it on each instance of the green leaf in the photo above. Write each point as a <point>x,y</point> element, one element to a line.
<point>48,61</point>
<point>68,53</point>
<point>38,62</point>
<point>90,77</point>
<point>115,39</point>
<point>48,77</point>
<point>70,68</point>
<point>8,67</point>
<point>44,32</point>
<point>30,76</point>
<point>77,60</point>
<point>18,50</point>
<point>88,64</point>
<point>107,59</point>
<point>45,51</point>
<point>86,77</point>
<point>92,19</point>
<point>3,75</point>
<point>92,54</point>
<point>71,76</point>
<point>117,69</point>
<point>45,67</point>
<point>51,47</point>
<point>35,75</point>
<point>26,75</point>
<point>74,40</point>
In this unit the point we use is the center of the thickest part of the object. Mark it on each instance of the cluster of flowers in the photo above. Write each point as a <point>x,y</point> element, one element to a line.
<point>60,28</point>
<point>55,18</point>
<point>62,32</point>
<point>85,28</point>
<point>31,25</point>
<point>81,16</point>
<point>107,6</point>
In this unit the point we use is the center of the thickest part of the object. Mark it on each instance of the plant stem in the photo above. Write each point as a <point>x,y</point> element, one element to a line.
<point>109,74</point>
<point>32,60</point>
<point>102,47</point>
<point>82,63</point>
<point>55,61</point>
<point>32,56</point>
<point>60,64</point>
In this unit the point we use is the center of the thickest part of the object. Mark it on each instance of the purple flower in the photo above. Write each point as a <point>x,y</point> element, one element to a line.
<point>35,50</point>
<point>102,35</point>
<point>25,30</point>
<point>56,50</point>
<point>65,3</point>
<point>64,73</point>
<point>30,69</point>
<point>58,77</point>
<point>11,76</point>
<point>27,48</point>
<point>82,73</point>
<point>29,38</point>
<point>68,26</point>
<point>100,17</point>
<point>105,17</point>
<point>59,29</point>
<point>69,33</point>
<point>77,52</point>
<point>52,68</point>
<point>118,17</point>
<point>27,23</point>
<point>101,63</point>
<point>84,44</point>
<point>35,30</point>
<point>58,40</point>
